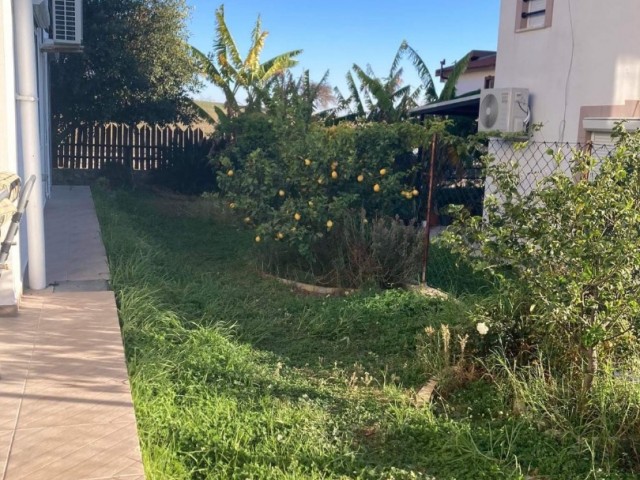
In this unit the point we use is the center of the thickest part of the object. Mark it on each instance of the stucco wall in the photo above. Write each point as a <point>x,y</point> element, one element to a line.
<point>11,279</point>
<point>589,56</point>
<point>473,80</point>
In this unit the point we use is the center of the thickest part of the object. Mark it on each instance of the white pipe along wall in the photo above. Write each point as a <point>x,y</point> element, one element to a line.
<point>27,103</point>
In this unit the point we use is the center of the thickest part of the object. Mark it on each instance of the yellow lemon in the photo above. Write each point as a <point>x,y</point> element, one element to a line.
<point>334,174</point>
<point>297,216</point>
<point>415,192</point>
<point>307,162</point>
<point>230,173</point>
<point>320,181</point>
<point>376,188</point>
<point>247,219</point>
<point>310,203</point>
<point>258,239</point>
<point>383,171</point>
<point>232,205</point>
<point>281,193</point>
<point>360,178</point>
<point>329,224</point>
<point>280,236</point>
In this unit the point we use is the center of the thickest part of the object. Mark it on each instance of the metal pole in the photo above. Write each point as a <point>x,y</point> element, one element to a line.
<point>427,237</point>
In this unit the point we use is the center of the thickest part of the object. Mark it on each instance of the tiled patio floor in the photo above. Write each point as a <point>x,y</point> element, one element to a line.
<point>65,403</point>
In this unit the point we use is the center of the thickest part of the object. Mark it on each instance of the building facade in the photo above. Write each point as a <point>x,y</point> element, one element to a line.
<point>580,61</point>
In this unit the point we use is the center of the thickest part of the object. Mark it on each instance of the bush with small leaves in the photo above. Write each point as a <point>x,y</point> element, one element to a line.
<point>566,257</point>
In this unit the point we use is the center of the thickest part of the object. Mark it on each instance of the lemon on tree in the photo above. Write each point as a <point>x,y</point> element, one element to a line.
<point>376,188</point>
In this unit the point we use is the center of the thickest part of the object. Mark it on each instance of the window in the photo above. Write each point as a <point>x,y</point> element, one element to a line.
<point>533,14</point>
<point>489,81</point>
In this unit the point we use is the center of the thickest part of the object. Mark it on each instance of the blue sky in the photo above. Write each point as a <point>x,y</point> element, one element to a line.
<point>334,34</point>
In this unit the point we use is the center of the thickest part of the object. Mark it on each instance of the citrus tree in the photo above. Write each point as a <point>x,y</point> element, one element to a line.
<point>295,185</point>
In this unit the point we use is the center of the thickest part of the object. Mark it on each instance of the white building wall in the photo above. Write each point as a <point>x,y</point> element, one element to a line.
<point>11,279</point>
<point>589,56</point>
<point>472,80</point>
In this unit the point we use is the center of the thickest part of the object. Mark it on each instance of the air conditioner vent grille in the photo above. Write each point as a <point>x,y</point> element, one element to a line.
<point>67,21</point>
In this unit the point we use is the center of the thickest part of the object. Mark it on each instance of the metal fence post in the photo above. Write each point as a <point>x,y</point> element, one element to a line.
<point>427,236</point>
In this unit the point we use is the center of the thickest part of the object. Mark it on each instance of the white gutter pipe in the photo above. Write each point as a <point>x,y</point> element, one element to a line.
<point>28,125</point>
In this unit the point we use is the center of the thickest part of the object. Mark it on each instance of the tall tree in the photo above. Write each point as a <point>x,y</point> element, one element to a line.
<point>225,67</point>
<point>136,66</point>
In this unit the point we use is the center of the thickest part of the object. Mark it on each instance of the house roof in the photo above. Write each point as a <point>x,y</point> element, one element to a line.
<point>464,106</point>
<point>480,59</point>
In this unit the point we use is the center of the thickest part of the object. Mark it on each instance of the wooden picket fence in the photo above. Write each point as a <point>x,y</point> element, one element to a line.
<point>142,147</point>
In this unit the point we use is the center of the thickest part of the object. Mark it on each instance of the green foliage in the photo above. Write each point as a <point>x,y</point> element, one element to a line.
<point>565,261</point>
<point>386,99</point>
<point>187,171</point>
<point>296,185</point>
<point>296,100</point>
<point>135,66</point>
<point>568,251</point>
<point>225,68</point>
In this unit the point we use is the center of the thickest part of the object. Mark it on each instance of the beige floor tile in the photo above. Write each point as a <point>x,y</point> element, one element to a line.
<point>5,445</point>
<point>65,401</point>
<point>75,452</point>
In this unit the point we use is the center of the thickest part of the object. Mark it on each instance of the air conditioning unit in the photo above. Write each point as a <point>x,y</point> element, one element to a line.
<point>66,22</point>
<point>504,110</point>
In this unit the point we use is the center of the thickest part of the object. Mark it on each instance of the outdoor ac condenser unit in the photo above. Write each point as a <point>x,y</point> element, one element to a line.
<point>504,110</point>
<point>67,22</point>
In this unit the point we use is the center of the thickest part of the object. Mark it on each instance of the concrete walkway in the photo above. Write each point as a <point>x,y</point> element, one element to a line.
<point>65,402</point>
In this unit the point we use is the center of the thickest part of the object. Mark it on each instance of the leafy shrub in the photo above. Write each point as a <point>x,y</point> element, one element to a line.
<point>188,171</point>
<point>117,175</point>
<point>565,259</point>
<point>383,252</point>
<point>295,185</point>
<point>569,253</point>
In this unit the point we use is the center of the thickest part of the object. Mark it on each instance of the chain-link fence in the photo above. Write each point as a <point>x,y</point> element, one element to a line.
<point>462,181</point>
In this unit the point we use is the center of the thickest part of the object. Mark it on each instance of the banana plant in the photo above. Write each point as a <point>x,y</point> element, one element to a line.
<point>385,98</point>
<point>225,67</point>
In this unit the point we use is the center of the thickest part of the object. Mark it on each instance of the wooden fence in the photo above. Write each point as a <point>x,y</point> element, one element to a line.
<point>142,147</point>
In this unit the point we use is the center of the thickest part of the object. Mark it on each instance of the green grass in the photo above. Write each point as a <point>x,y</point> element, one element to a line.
<point>234,376</point>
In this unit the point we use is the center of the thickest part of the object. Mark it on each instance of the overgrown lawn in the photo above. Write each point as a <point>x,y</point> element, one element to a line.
<point>235,376</point>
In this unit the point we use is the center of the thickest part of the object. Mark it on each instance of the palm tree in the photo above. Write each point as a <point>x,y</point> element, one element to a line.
<point>225,68</point>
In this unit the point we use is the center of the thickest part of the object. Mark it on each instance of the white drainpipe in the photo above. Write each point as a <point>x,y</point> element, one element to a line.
<point>28,125</point>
